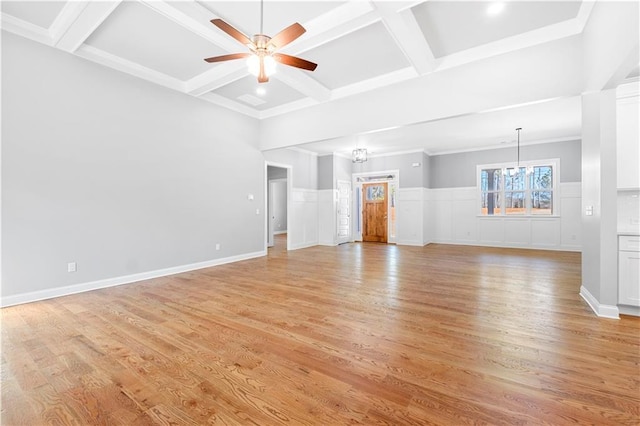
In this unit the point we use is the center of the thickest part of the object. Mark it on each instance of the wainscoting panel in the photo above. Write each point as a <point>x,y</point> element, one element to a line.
<point>517,231</point>
<point>327,217</point>
<point>545,233</point>
<point>304,218</point>
<point>465,225</point>
<point>491,231</point>
<point>410,213</point>
<point>451,217</point>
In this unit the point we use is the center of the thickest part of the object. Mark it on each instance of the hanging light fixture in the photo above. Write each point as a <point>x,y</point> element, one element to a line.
<point>359,155</point>
<point>514,171</point>
<point>518,130</point>
<point>528,169</point>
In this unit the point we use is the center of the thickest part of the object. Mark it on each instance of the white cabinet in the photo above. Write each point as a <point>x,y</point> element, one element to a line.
<point>629,270</point>
<point>628,136</point>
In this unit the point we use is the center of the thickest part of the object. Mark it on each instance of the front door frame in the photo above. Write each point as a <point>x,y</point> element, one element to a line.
<point>340,215</point>
<point>389,176</point>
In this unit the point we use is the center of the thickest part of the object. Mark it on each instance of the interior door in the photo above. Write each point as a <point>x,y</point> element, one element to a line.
<point>344,212</point>
<point>374,212</point>
<point>271,213</point>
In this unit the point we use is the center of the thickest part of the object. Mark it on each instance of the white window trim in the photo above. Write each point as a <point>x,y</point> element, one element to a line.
<point>555,191</point>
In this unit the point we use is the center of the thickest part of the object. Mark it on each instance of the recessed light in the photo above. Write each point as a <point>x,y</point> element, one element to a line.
<point>495,8</point>
<point>261,91</point>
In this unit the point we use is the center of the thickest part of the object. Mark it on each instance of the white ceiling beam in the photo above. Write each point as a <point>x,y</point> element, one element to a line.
<point>230,104</point>
<point>25,29</point>
<point>583,14</point>
<point>288,107</point>
<point>104,58</point>
<point>196,19</point>
<point>334,24</point>
<point>377,82</point>
<point>65,19</point>
<point>221,74</point>
<point>302,82</point>
<point>407,33</point>
<point>74,26</point>
<point>535,37</point>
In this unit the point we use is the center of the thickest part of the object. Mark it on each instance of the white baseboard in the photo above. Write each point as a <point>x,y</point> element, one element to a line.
<point>279,232</point>
<point>604,311</point>
<point>414,243</point>
<point>34,296</point>
<point>629,310</point>
<point>503,245</point>
<point>303,245</point>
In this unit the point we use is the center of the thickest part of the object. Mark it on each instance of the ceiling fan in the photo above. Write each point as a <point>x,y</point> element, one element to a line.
<point>261,59</point>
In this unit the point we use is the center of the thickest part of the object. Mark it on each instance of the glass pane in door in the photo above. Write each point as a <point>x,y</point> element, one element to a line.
<point>375,193</point>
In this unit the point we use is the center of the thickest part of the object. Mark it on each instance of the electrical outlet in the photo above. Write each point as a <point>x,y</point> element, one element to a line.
<point>218,246</point>
<point>257,211</point>
<point>72,267</point>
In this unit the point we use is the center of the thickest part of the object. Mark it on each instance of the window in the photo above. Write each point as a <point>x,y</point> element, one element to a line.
<point>506,189</point>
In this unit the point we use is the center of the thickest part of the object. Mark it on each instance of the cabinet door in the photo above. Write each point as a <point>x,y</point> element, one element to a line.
<point>629,278</point>
<point>628,148</point>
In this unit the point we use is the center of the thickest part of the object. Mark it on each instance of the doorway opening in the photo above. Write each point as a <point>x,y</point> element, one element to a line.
<point>278,195</point>
<point>374,201</point>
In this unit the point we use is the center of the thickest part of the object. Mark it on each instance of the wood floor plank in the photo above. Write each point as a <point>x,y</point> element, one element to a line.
<point>354,334</point>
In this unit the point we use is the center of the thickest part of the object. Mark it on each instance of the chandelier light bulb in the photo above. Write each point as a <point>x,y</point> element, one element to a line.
<point>253,65</point>
<point>269,65</point>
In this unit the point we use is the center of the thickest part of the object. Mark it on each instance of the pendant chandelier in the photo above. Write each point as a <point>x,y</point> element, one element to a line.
<point>518,130</point>
<point>359,155</point>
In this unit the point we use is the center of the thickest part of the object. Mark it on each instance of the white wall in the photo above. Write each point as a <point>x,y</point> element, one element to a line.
<point>451,216</point>
<point>599,195</point>
<point>126,178</point>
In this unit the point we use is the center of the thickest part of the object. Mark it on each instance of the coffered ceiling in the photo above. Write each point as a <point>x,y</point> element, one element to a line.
<point>360,46</point>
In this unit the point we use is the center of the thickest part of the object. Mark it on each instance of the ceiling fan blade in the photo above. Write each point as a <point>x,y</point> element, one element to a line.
<point>287,35</point>
<point>294,61</point>
<point>228,57</point>
<point>232,32</point>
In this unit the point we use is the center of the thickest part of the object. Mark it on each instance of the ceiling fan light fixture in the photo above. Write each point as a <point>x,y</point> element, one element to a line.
<point>253,65</point>
<point>269,65</point>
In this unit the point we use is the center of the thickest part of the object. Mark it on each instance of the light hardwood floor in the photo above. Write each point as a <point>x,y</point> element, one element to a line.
<point>354,334</point>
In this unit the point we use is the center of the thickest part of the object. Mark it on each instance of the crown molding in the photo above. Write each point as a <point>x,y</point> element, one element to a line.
<point>302,151</point>
<point>502,146</point>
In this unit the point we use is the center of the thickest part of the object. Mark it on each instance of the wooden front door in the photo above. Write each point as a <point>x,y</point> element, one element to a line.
<point>374,212</point>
